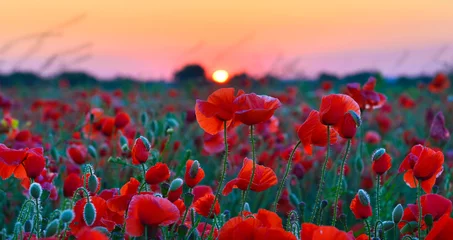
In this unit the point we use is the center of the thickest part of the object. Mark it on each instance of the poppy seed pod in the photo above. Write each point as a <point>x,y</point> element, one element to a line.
<point>52,228</point>
<point>67,216</point>
<point>89,214</point>
<point>397,213</point>
<point>35,190</point>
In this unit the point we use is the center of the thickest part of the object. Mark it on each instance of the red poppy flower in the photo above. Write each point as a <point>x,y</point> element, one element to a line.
<point>311,231</point>
<point>108,126</point>
<point>148,210</point>
<point>439,84</point>
<point>366,97</point>
<point>433,204</point>
<point>372,137</point>
<point>422,164</point>
<point>264,178</point>
<point>121,120</point>
<point>23,163</point>
<point>201,190</point>
<point>406,101</point>
<point>101,214</point>
<point>252,109</point>
<point>120,203</point>
<point>140,151</point>
<point>78,153</point>
<point>157,173</point>
<point>71,183</point>
<point>203,205</point>
<point>313,132</point>
<point>217,109</point>
<point>438,132</point>
<point>193,176</point>
<point>442,229</point>
<point>46,180</point>
<point>360,205</point>
<point>341,112</point>
<point>381,163</point>
<point>88,234</point>
<point>263,225</point>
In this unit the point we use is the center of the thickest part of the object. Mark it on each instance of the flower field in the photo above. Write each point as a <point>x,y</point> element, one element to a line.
<point>300,160</point>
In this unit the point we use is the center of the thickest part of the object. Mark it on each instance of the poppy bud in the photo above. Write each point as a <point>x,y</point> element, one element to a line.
<point>67,216</point>
<point>382,162</point>
<point>364,198</point>
<point>301,207</point>
<point>144,118</point>
<point>429,220</point>
<point>124,148</point>
<point>172,123</point>
<point>397,213</point>
<point>194,169</point>
<point>93,183</point>
<point>51,228</point>
<point>155,127</point>
<point>89,214</point>
<point>28,226</point>
<point>324,204</point>
<point>170,131</point>
<point>146,143</point>
<point>227,215</point>
<point>342,218</point>
<point>102,230</point>
<point>35,190</point>
<point>187,155</point>
<point>175,184</point>
<point>388,225</point>
<point>92,151</point>
<point>247,207</point>
<point>351,121</point>
<point>188,199</point>
<point>164,187</point>
<point>54,153</point>
<point>409,227</point>
<point>377,154</point>
<point>123,140</point>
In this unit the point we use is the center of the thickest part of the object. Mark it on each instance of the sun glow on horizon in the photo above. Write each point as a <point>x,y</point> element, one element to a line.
<point>220,76</point>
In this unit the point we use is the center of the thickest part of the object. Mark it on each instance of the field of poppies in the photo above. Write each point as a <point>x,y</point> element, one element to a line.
<point>329,160</point>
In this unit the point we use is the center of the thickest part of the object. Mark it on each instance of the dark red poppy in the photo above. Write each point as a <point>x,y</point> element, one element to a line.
<point>121,120</point>
<point>372,137</point>
<point>360,205</point>
<point>157,173</point>
<point>148,210</point>
<point>252,109</point>
<point>438,132</point>
<point>140,151</point>
<point>71,183</point>
<point>341,112</point>
<point>313,132</point>
<point>263,225</point>
<point>217,109</point>
<point>203,205</point>
<point>311,231</point>
<point>194,175</point>
<point>381,163</point>
<point>120,202</point>
<point>433,204</point>
<point>78,153</point>
<point>87,233</point>
<point>263,179</point>
<point>439,84</point>
<point>442,229</point>
<point>366,97</point>
<point>422,164</point>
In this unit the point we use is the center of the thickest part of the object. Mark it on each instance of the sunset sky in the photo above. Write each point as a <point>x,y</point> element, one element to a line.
<point>150,39</point>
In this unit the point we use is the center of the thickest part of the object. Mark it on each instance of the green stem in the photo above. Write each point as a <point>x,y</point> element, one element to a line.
<point>282,183</point>
<point>146,232</point>
<point>368,229</point>
<point>339,183</point>
<point>222,176</point>
<point>321,183</point>
<point>419,210</point>
<point>252,140</point>
<point>378,193</point>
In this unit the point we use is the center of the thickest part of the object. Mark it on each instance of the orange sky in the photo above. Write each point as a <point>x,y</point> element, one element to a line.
<point>149,38</point>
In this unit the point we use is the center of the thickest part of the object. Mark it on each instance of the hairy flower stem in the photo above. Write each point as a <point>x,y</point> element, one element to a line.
<point>282,182</point>
<point>340,182</point>
<point>419,198</point>
<point>368,229</point>
<point>378,193</point>
<point>252,141</point>
<point>321,183</point>
<point>222,176</point>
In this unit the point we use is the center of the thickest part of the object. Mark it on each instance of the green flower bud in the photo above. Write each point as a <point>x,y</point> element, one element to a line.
<point>170,131</point>
<point>144,118</point>
<point>102,230</point>
<point>188,199</point>
<point>52,228</point>
<point>409,227</point>
<point>92,151</point>
<point>93,183</point>
<point>397,213</point>
<point>89,214</point>
<point>35,190</point>
<point>123,140</point>
<point>388,225</point>
<point>67,216</point>
<point>429,220</point>
<point>164,187</point>
<point>247,207</point>
<point>356,117</point>
<point>324,204</point>
<point>124,148</point>
<point>176,184</point>
<point>54,154</point>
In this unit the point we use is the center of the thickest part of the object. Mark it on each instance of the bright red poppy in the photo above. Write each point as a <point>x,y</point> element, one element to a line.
<point>119,203</point>
<point>108,126</point>
<point>203,205</point>
<point>71,183</point>
<point>433,204</point>
<point>101,219</point>
<point>252,109</point>
<point>442,229</point>
<point>360,205</point>
<point>263,179</point>
<point>157,174</point>
<point>218,108</point>
<point>148,210</point>
<point>439,84</point>
<point>381,163</point>
<point>310,231</point>
<point>313,132</point>
<point>341,112</point>
<point>140,151</point>
<point>193,176</point>
<point>423,165</point>
<point>366,97</point>
<point>121,120</point>
<point>78,153</point>
<point>23,163</point>
<point>263,225</point>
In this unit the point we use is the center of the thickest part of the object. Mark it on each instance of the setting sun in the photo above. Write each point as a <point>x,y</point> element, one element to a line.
<point>220,76</point>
